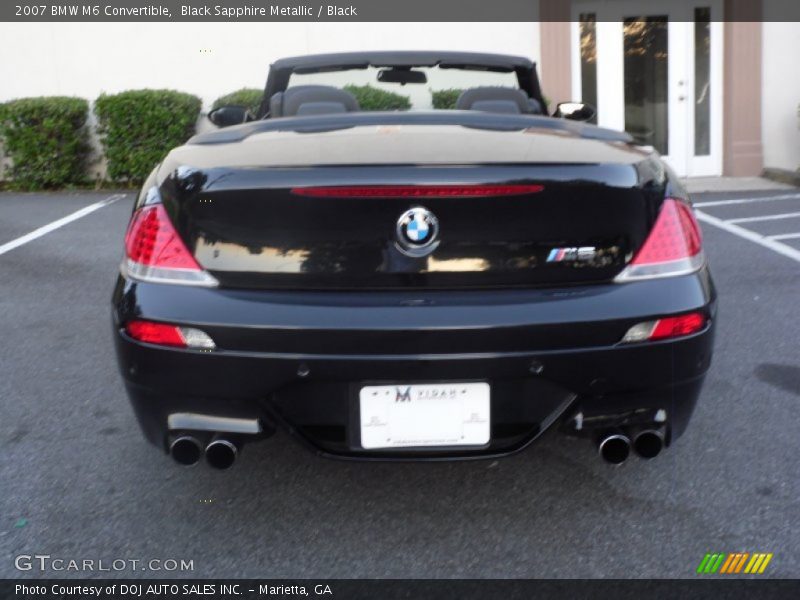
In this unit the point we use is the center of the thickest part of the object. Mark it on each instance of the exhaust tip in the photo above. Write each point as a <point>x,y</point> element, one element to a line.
<point>221,454</point>
<point>648,443</point>
<point>186,450</point>
<point>615,448</point>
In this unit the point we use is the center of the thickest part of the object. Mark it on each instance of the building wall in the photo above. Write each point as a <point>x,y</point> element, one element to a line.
<point>209,59</point>
<point>742,135</point>
<point>780,104</point>
<point>556,64</point>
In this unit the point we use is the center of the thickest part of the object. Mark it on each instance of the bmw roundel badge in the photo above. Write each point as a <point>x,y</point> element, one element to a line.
<point>417,231</point>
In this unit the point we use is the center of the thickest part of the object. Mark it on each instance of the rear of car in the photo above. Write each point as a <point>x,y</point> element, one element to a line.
<point>412,291</point>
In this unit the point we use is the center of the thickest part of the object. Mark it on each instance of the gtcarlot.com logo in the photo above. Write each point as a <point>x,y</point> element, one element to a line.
<point>734,562</point>
<point>45,562</point>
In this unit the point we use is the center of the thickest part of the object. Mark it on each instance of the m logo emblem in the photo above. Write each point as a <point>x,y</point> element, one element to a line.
<point>403,396</point>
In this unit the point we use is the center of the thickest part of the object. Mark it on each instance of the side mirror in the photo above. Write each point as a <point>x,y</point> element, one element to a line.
<point>225,116</point>
<point>575,111</point>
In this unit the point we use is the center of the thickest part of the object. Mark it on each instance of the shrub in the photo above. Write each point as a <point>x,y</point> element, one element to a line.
<point>445,99</point>
<point>138,127</point>
<point>249,97</point>
<point>47,141</point>
<point>372,98</point>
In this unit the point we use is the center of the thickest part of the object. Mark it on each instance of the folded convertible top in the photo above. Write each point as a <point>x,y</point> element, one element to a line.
<point>467,118</point>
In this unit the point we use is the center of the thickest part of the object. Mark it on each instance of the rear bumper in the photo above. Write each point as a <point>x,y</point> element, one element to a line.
<point>548,355</point>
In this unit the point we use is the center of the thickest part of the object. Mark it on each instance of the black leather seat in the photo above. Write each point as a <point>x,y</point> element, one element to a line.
<point>312,100</point>
<point>497,100</point>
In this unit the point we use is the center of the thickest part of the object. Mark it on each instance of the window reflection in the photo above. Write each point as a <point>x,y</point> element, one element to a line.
<point>588,32</point>
<point>702,70</point>
<point>645,48</point>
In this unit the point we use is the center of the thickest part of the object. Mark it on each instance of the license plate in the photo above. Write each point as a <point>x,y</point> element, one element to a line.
<point>419,415</point>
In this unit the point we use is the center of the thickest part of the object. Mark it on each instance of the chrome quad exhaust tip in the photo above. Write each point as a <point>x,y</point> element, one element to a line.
<point>186,450</point>
<point>219,437</point>
<point>648,443</point>
<point>614,448</point>
<point>221,453</point>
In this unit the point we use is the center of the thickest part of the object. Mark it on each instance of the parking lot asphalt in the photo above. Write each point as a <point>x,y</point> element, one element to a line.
<point>78,481</point>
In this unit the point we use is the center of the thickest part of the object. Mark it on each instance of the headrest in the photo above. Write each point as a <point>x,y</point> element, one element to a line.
<point>496,106</point>
<point>312,100</point>
<point>320,108</point>
<point>493,99</point>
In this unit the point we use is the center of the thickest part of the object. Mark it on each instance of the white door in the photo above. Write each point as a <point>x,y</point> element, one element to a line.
<point>655,72</point>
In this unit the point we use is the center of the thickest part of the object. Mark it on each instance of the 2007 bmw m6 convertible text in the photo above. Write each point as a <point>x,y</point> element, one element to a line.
<point>446,280</point>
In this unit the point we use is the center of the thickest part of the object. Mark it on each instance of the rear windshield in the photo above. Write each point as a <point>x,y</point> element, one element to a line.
<point>440,91</point>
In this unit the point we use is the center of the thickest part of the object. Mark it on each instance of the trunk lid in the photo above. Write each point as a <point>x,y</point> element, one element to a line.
<point>251,227</point>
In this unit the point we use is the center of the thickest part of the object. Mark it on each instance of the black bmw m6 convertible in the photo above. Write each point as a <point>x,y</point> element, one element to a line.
<point>437,282</point>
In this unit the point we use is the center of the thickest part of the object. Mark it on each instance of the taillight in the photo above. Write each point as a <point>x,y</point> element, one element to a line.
<point>674,246</point>
<point>155,252</point>
<point>164,334</point>
<point>666,328</point>
<point>417,191</point>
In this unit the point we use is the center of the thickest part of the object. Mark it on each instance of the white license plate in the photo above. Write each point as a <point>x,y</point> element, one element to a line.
<point>418,415</point>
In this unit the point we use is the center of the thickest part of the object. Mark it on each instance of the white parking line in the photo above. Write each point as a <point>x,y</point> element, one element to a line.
<point>785,236</point>
<point>45,229</point>
<point>761,240</point>
<point>764,218</point>
<point>746,200</point>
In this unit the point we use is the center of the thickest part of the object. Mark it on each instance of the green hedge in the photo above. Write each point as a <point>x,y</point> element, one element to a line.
<point>445,99</point>
<point>249,97</point>
<point>138,127</point>
<point>47,141</point>
<point>372,98</point>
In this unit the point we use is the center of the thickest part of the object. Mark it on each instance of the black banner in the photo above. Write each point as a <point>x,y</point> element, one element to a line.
<point>388,589</point>
<point>349,11</point>
<point>269,10</point>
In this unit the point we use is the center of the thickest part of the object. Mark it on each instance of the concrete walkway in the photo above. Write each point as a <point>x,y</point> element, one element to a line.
<point>696,185</point>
